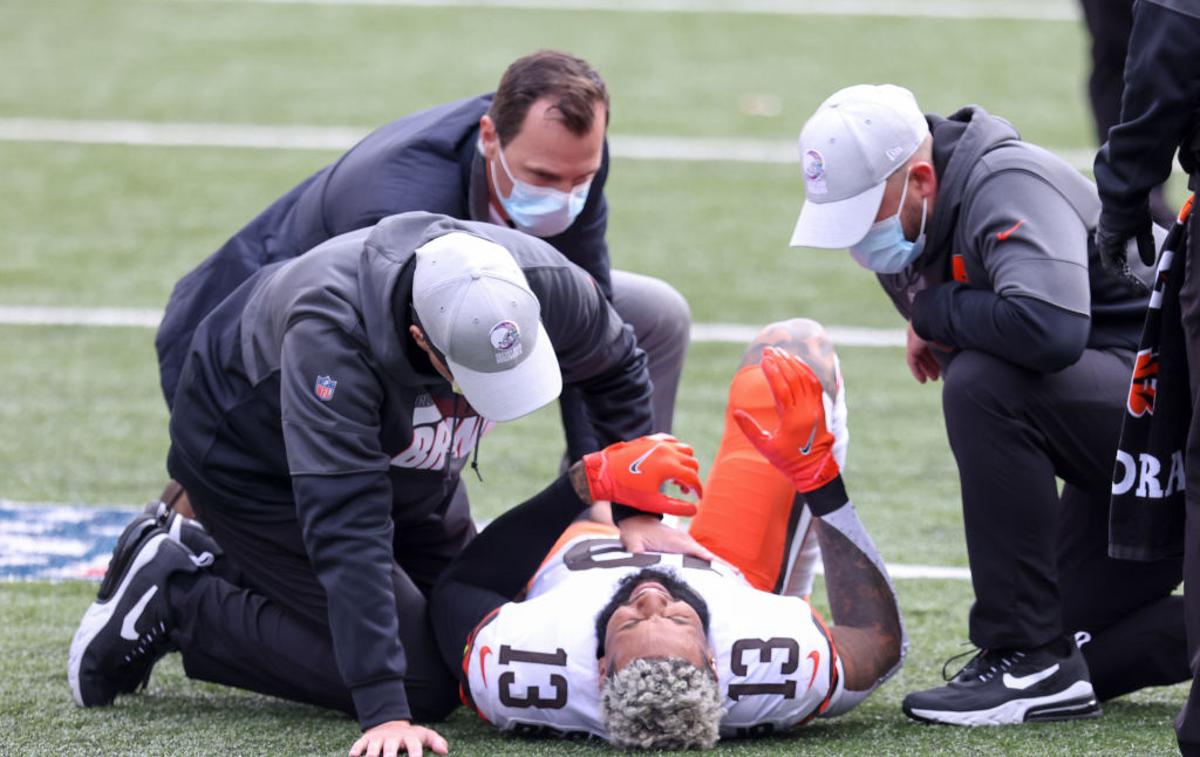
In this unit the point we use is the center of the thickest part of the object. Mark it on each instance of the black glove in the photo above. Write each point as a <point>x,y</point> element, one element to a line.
<point>1111,247</point>
<point>1147,249</point>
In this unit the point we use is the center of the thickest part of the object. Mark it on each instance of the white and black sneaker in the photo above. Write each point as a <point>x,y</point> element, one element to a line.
<point>1002,687</point>
<point>134,534</point>
<point>128,628</point>
<point>187,531</point>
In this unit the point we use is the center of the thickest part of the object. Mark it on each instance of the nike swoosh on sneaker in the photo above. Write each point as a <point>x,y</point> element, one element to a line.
<point>128,630</point>
<point>1024,682</point>
<point>808,447</point>
<point>635,466</point>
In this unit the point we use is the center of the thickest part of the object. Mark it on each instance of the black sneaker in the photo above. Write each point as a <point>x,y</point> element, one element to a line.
<point>999,687</point>
<point>134,534</point>
<point>159,510</point>
<point>188,532</point>
<point>191,534</point>
<point>128,628</point>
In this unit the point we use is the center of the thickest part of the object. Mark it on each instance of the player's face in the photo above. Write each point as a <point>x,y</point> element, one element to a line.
<point>652,623</point>
<point>544,152</point>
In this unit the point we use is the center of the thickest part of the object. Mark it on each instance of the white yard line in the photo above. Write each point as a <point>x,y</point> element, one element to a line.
<point>1025,10</point>
<point>903,570</point>
<point>339,138</point>
<point>726,333</point>
<point>20,315</point>
<point>155,134</point>
<point>845,336</point>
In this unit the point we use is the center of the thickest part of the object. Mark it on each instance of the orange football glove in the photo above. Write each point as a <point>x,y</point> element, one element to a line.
<point>802,447</point>
<point>634,473</point>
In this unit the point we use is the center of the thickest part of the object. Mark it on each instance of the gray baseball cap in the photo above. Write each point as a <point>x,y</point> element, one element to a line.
<point>857,138</point>
<point>476,307</point>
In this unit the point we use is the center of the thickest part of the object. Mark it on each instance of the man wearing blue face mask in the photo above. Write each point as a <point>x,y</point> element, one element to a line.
<point>540,211</point>
<point>985,245</point>
<point>532,156</point>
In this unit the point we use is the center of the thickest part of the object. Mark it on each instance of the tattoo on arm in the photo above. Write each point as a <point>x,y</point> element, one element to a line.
<point>579,483</point>
<point>867,620</point>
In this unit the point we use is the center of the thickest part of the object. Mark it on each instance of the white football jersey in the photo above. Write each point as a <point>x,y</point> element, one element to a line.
<point>532,669</point>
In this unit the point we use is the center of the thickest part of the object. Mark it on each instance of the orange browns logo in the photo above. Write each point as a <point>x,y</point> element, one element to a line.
<point>1144,386</point>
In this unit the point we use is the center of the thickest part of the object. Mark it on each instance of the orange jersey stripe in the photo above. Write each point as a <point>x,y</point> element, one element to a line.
<point>464,689</point>
<point>833,658</point>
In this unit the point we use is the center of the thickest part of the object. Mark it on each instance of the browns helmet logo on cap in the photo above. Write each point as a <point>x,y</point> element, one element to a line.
<point>505,337</point>
<point>814,172</point>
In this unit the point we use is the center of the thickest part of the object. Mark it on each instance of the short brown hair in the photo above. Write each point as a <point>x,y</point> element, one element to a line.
<point>573,85</point>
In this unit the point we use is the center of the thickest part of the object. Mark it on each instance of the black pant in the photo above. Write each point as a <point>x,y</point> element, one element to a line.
<point>259,620</point>
<point>1109,23</point>
<point>496,567</point>
<point>1039,560</point>
<point>1187,726</point>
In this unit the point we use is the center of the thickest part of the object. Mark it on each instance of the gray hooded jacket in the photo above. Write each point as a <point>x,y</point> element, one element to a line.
<point>257,420</point>
<point>1009,266</point>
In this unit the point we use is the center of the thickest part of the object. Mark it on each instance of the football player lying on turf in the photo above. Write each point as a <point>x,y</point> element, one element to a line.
<point>143,609</point>
<point>558,631</point>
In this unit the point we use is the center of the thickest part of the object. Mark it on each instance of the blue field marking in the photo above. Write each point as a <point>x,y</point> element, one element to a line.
<point>40,542</point>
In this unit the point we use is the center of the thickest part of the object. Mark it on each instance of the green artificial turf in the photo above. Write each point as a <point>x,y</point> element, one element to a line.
<point>179,716</point>
<point>115,226</point>
<point>670,73</point>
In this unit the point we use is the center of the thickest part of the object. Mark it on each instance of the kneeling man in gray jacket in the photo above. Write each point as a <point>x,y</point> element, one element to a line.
<point>325,411</point>
<point>985,244</point>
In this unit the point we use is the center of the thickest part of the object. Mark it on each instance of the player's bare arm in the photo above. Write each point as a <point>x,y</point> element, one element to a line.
<point>863,602</point>
<point>867,630</point>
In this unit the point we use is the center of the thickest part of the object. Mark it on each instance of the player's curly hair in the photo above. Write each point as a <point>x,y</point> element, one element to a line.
<point>661,703</point>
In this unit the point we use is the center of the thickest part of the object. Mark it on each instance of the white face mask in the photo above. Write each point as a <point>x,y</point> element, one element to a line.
<point>884,249</point>
<point>540,211</point>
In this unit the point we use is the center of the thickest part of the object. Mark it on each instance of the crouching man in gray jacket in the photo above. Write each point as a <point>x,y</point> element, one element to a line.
<point>985,245</point>
<point>325,411</point>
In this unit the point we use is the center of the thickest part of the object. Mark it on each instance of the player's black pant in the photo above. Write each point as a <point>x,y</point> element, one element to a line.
<point>1039,560</point>
<point>497,566</point>
<point>1187,726</point>
<point>258,620</point>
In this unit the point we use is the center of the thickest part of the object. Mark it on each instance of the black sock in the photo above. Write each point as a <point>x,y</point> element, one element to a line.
<point>506,554</point>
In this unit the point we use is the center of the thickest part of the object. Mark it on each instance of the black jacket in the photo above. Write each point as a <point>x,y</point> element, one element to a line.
<point>1159,112</point>
<point>424,161</point>
<point>389,440</point>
